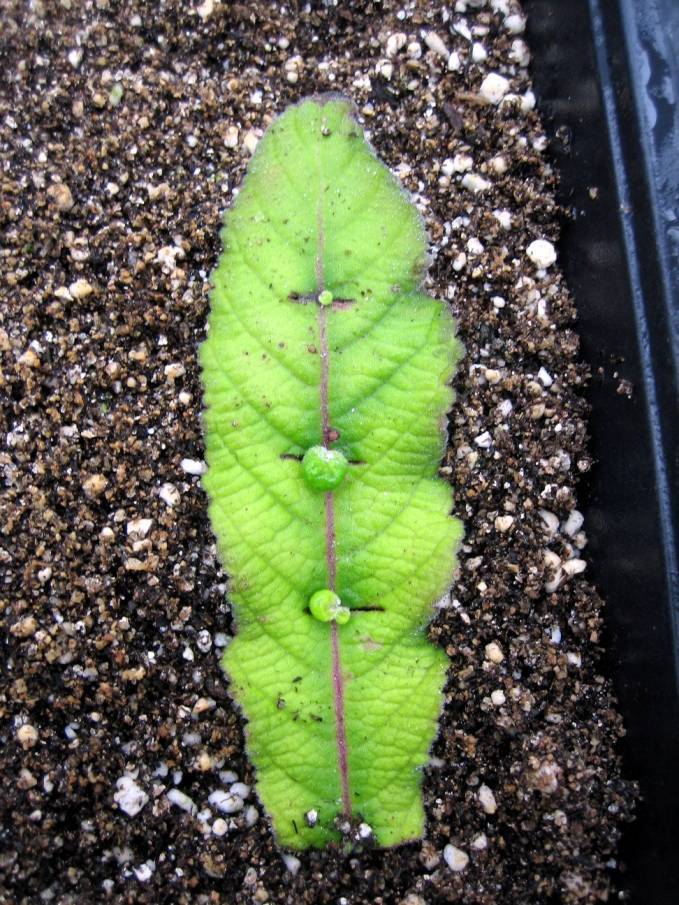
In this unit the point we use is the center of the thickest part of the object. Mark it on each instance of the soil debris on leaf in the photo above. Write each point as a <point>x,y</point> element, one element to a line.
<point>124,132</point>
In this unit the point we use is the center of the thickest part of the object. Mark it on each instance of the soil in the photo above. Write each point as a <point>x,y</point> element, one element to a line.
<point>124,130</point>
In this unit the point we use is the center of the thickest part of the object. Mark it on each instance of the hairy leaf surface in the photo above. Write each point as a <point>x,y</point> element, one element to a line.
<point>320,336</point>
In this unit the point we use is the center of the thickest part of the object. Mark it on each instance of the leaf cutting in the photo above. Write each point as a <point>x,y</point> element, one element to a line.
<point>326,378</point>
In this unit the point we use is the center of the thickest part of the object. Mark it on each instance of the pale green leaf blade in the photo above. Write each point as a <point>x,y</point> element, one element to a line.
<point>340,716</point>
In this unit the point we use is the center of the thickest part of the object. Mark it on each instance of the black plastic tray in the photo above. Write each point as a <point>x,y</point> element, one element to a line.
<point>606,74</point>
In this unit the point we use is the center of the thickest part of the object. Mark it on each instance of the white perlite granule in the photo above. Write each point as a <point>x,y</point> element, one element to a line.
<point>129,797</point>
<point>493,88</point>
<point>542,253</point>
<point>455,858</point>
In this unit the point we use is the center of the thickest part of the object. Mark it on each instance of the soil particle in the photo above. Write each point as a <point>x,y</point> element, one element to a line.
<point>124,131</point>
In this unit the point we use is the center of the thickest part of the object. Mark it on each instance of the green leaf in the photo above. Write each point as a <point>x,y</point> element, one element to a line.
<point>319,335</point>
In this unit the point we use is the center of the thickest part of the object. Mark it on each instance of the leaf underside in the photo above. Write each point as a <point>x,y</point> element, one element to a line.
<point>340,717</point>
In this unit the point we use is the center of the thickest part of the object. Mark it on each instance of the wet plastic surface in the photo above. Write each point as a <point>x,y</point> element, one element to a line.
<point>607,79</point>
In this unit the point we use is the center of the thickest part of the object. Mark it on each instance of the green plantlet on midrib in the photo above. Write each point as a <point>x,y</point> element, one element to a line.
<point>326,374</point>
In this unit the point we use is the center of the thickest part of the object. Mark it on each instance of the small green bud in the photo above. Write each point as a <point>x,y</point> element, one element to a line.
<point>325,298</point>
<point>323,468</point>
<point>326,606</point>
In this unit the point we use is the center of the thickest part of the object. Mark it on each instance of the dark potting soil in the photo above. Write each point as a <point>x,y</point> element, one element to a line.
<point>124,130</point>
